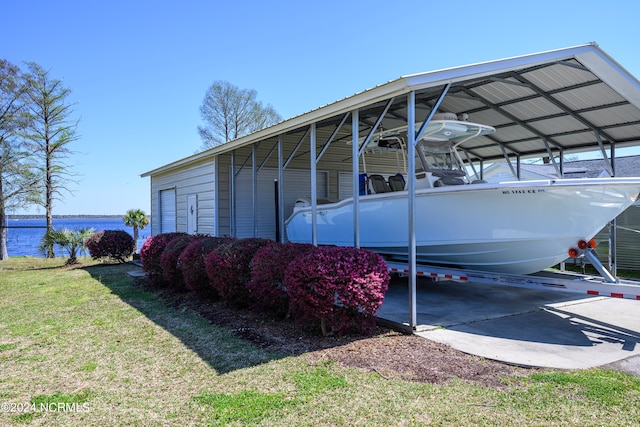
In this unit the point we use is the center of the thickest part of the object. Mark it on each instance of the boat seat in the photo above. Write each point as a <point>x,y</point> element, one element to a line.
<point>396,182</point>
<point>377,184</point>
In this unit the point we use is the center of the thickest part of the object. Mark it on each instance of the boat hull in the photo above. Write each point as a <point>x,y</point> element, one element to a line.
<point>516,227</point>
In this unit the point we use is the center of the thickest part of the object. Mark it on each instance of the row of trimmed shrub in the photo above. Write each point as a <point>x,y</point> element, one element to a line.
<point>338,288</point>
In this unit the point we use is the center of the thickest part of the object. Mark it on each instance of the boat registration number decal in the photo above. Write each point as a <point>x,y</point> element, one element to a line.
<point>528,191</point>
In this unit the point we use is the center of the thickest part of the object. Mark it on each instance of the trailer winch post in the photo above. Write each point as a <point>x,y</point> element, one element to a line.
<point>592,257</point>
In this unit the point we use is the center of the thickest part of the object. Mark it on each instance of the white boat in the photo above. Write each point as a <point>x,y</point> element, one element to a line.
<point>517,227</point>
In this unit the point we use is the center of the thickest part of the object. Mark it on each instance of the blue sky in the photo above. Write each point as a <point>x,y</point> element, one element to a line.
<point>139,69</point>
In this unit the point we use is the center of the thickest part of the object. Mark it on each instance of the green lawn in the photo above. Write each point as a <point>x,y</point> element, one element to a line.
<point>86,347</point>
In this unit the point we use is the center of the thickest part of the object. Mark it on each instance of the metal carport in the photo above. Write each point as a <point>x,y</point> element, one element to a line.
<point>545,104</point>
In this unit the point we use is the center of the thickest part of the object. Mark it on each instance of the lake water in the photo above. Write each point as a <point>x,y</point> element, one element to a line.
<point>25,241</point>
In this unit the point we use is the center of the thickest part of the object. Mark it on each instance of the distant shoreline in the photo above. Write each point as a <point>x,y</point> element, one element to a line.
<point>62,216</point>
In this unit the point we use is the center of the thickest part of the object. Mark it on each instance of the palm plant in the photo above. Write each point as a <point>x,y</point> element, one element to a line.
<point>71,240</point>
<point>137,219</point>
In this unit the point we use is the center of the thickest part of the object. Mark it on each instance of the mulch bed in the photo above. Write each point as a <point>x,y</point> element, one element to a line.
<point>390,354</point>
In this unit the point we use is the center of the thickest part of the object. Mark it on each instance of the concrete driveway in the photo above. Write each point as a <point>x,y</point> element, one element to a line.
<point>541,328</point>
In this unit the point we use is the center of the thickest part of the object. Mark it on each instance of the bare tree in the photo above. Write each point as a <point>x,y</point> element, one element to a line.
<point>49,135</point>
<point>18,178</point>
<point>230,112</point>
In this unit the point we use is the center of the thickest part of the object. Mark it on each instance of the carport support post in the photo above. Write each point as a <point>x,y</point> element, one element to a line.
<point>613,225</point>
<point>412,142</point>
<point>314,190</point>
<point>280,206</point>
<point>355,162</point>
<point>254,192</point>
<point>411,191</point>
<point>232,196</point>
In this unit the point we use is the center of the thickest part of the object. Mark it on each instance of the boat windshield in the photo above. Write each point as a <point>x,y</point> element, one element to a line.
<point>440,156</point>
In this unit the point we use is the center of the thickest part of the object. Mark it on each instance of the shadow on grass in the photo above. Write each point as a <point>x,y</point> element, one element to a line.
<point>30,263</point>
<point>225,337</point>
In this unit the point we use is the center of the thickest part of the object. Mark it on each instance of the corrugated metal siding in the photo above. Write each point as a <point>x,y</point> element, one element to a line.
<point>345,185</point>
<point>224,186</point>
<point>628,242</point>
<point>297,184</point>
<point>193,179</point>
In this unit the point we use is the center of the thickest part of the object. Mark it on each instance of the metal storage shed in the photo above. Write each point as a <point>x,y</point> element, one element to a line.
<point>544,104</point>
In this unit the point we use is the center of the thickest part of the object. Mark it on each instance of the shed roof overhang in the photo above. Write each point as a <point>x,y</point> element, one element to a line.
<point>566,100</point>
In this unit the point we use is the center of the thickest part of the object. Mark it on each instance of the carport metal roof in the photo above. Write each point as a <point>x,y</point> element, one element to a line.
<point>566,100</point>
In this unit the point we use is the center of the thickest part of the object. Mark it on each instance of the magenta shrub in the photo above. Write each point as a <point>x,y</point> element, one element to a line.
<point>194,272</point>
<point>150,253</point>
<point>266,286</point>
<point>114,244</point>
<point>228,268</point>
<point>341,287</point>
<point>169,260</point>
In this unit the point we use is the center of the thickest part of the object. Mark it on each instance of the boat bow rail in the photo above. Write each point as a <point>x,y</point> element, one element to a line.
<point>544,280</point>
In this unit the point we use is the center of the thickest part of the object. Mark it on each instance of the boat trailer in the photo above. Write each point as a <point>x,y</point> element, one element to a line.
<point>607,285</point>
